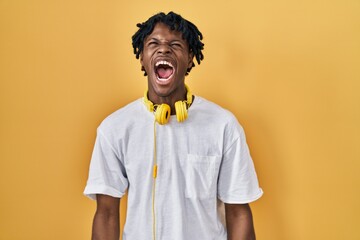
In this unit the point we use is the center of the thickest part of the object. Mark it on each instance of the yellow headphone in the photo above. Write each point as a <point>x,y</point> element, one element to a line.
<point>163,111</point>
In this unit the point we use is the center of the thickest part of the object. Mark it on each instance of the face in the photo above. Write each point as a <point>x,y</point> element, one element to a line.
<point>166,58</point>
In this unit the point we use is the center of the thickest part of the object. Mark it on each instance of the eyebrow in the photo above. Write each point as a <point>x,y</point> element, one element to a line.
<point>155,39</point>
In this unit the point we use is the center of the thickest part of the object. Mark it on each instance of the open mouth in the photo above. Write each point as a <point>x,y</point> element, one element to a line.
<point>164,70</point>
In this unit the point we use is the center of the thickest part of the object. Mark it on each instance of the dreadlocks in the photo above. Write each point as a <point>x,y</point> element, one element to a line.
<point>189,31</point>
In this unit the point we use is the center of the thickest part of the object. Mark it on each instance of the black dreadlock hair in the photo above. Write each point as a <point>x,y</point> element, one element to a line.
<point>189,31</point>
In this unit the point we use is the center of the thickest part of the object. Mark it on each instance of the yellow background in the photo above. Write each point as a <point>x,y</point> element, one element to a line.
<point>289,70</point>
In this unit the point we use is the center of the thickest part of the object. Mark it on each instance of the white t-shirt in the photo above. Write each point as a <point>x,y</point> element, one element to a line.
<point>203,162</point>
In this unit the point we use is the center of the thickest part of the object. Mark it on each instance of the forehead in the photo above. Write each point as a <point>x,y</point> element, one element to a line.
<point>162,31</point>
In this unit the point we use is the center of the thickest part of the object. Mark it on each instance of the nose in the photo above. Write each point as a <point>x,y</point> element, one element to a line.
<point>164,48</point>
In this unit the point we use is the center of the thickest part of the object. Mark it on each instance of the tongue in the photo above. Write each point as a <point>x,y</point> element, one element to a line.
<point>164,72</point>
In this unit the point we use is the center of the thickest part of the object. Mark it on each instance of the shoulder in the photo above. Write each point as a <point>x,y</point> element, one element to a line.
<point>213,111</point>
<point>122,117</point>
<point>213,116</point>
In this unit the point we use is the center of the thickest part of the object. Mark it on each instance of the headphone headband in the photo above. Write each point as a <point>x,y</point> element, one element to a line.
<point>151,106</point>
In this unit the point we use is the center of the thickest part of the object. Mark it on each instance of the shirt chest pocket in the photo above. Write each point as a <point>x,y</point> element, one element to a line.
<point>201,176</point>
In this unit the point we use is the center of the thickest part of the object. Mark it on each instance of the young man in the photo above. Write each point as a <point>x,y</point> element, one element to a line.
<point>183,160</point>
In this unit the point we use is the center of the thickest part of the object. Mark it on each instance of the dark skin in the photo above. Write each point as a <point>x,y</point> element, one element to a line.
<point>106,224</point>
<point>239,222</point>
<point>166,45</point>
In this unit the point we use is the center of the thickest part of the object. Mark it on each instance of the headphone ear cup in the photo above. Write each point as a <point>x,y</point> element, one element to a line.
<point>162,114</point>
<point>181,111</point>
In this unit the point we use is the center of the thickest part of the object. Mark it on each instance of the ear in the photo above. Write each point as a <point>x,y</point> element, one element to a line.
<point>142,65</point>
<point>190,60</point>
<point>141,59</point>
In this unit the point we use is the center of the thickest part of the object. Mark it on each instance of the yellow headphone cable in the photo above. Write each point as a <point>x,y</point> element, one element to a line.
<point>154,185</point>
<point>162,115</point>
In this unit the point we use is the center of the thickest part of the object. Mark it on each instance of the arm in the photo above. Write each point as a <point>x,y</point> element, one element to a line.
<point>239,222</point>
<point>106,219</point>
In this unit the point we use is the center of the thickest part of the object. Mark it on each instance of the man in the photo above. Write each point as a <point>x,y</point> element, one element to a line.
<point>180,157</point>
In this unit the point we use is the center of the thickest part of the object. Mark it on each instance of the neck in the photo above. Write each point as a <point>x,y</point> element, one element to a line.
<point>169,100</point>
<point>181,94</point>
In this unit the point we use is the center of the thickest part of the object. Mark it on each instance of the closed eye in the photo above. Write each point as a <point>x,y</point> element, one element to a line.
<point>152,43</point>
<point>176,45</point>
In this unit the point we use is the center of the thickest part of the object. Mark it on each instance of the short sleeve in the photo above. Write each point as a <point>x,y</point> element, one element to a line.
<point>107,173</point>
<point>237,182</point>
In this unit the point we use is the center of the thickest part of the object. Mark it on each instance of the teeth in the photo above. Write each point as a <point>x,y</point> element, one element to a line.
<point>163,63</point>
